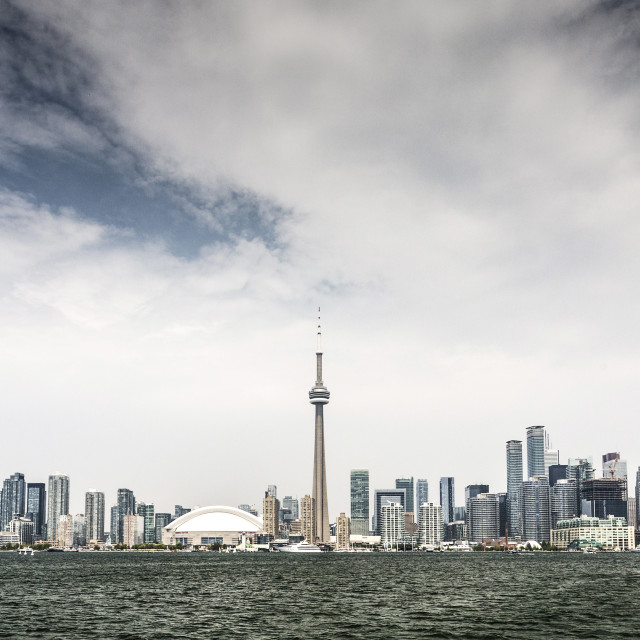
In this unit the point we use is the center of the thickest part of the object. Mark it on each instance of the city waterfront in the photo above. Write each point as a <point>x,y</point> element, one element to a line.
<point>372,596</point>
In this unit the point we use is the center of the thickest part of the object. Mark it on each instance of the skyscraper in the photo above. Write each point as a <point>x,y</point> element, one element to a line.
<point>422,492</point>
<point>407,484</point>
<point>604,497</point>
<point>162,520</point>
<point>447,499</point>
<point>382,497</point>
<point>613,466</point>
<point>471,491</point>
<point>271,514</point>
<point>147,511</point>
<point>307,517</point>
<point>580,470</point>
<point>536,509</point>
<point>483,517</point>
<point>37,507</point>
<point>535,451</point>
<point>126,507</point>
<point>57,504</point>
<point>13,499</point>
<point>392,523</point>
<point>564,498</point>
<point>94,512</point>
<point>514,482</point>
<point>292,506</point>
<point>359,486</point>
<point>319,396</point>
<point>343,532</point>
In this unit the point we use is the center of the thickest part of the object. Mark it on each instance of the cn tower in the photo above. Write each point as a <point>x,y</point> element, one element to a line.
<point>319,396</point>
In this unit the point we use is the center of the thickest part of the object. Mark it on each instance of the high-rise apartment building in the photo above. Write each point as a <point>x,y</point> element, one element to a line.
<point>564,498</point>
<point>514,484</point>
<point>147,511</point>
<point>551,457</point>
<point>604,497</point>
<point>613,466</point>
<point>79,530</point>
<point>14,492</point>
<point>113,524</point>
<point>37,507</point>
<point>64,529</point>
<point>132,529</point>
<point>271,515</point>
<point>407,485</point>
<point>162,520</point>
<point>179,511</point>
<point>535,451</point>
<point>291,504</point>
<point>343,532</point>
<point>392,523</point>
<point>94,513</point>
<point>382,497</point>
<point>307,517</point>
<point>57,505</point>
<point>422,492</point>
<point>557,472</point>
<point>535,499</point>
<point>126,507</point>
<point>483,517</point>
<point>359,486</point>
<point>23,528</point>
<point>318,397</point>
<point>447,498</point>
<point>430,526</point>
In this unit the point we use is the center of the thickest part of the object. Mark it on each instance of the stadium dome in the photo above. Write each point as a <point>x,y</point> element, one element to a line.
<point>209,525</point>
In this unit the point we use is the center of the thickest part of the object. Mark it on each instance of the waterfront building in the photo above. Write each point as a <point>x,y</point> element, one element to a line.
<point>447,499</point>
<point>613,466</point>
<point>23,528</point>
<point>37,507</point>
<point>13,499</point>
<point>471,491</point>
<point>536,441</point>
<point>536,509</point>
<point>514,485</point>
<point>359,487</point>
<point>632,513</point>
<point>319,396</point>
<point>564,497</point>
<point>604,497</point>
<point>94,512</point>
<point>422,492</point>
<point>343,531</point>
<point>79,530</point>
<point>430,526</point>
<point>147,511</point>
<point>126,503</point>
<point>483,517</point>
<point>57,505</point>
<point>270,514</point>
<point>392,523</point>
<point>161,521</point>
<point>580,469</point>
<point>307,518</point>
<point>502,514</point>
<point>63,529</point>
<point>215,525</point>
<point>407,485</point>
<point>557,472</point>
<point>132,529</point>
<point>383,497</point>
<point>607,533</point>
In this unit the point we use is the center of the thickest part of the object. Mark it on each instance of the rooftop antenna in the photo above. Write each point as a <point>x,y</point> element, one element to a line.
<point>319,347</point>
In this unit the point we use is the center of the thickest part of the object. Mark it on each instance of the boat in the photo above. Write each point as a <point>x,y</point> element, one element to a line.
<point>25,551</point>
<point>300,547</point>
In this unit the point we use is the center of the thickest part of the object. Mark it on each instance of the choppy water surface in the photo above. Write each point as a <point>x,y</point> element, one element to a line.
<point>364,596</point>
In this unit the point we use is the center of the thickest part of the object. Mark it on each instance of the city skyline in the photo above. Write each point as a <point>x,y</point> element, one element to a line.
<point>182,186</point>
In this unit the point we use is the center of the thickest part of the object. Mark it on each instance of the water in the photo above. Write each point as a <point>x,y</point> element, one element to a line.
<point>345,596</point>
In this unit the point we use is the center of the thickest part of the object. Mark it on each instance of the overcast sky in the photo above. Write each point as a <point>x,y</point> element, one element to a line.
<point>182,184</point>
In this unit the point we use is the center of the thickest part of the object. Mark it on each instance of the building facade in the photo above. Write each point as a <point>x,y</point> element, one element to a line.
<point>430,526</point>
<point>57,505</point>
<point>580,470</point>
<point>514,485</point>
<point>613,466</point>
<point>483,517</point>
<point>271,515</point>
<point>94,510</point>
<point>359,488</point>
<point>604,497</point>
<point>422,493</point>
<point>609,533</point>
<point>408,486</point>
<point>343,531</point>
<point>12,503</point>
<point>37,508</point>
<point>564,497</point>
<point>383,497</point>
<point>536,509</point>
<point>535,451</point>
<point>307,518</point>
<point>447,498</point>
<point>126,503</point>
<point>162,520</point>
<point>392,524</point>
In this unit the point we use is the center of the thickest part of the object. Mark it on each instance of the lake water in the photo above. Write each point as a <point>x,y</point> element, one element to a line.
<point>283,596</point>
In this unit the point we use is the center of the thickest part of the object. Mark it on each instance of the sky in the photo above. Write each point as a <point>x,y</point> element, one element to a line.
<point>183,184</point>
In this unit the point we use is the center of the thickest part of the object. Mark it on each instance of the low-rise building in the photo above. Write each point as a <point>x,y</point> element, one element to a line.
<point>609,533</point>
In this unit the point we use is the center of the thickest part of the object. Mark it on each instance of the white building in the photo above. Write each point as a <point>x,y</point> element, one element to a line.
<point>392,523</point>
<point>65,530</point>
<point>611,533</point>
<point>429,524</point>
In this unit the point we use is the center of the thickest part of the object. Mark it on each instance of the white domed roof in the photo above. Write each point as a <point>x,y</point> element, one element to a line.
<point>215,518</point>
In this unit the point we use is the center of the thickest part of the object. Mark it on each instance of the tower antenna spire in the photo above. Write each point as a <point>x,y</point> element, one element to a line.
<point>319,345</point>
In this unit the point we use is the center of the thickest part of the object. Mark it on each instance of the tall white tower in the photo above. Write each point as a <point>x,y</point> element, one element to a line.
<point>319,396</point>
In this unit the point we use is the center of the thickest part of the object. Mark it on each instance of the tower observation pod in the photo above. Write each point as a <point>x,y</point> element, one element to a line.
<point>319,396</point>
